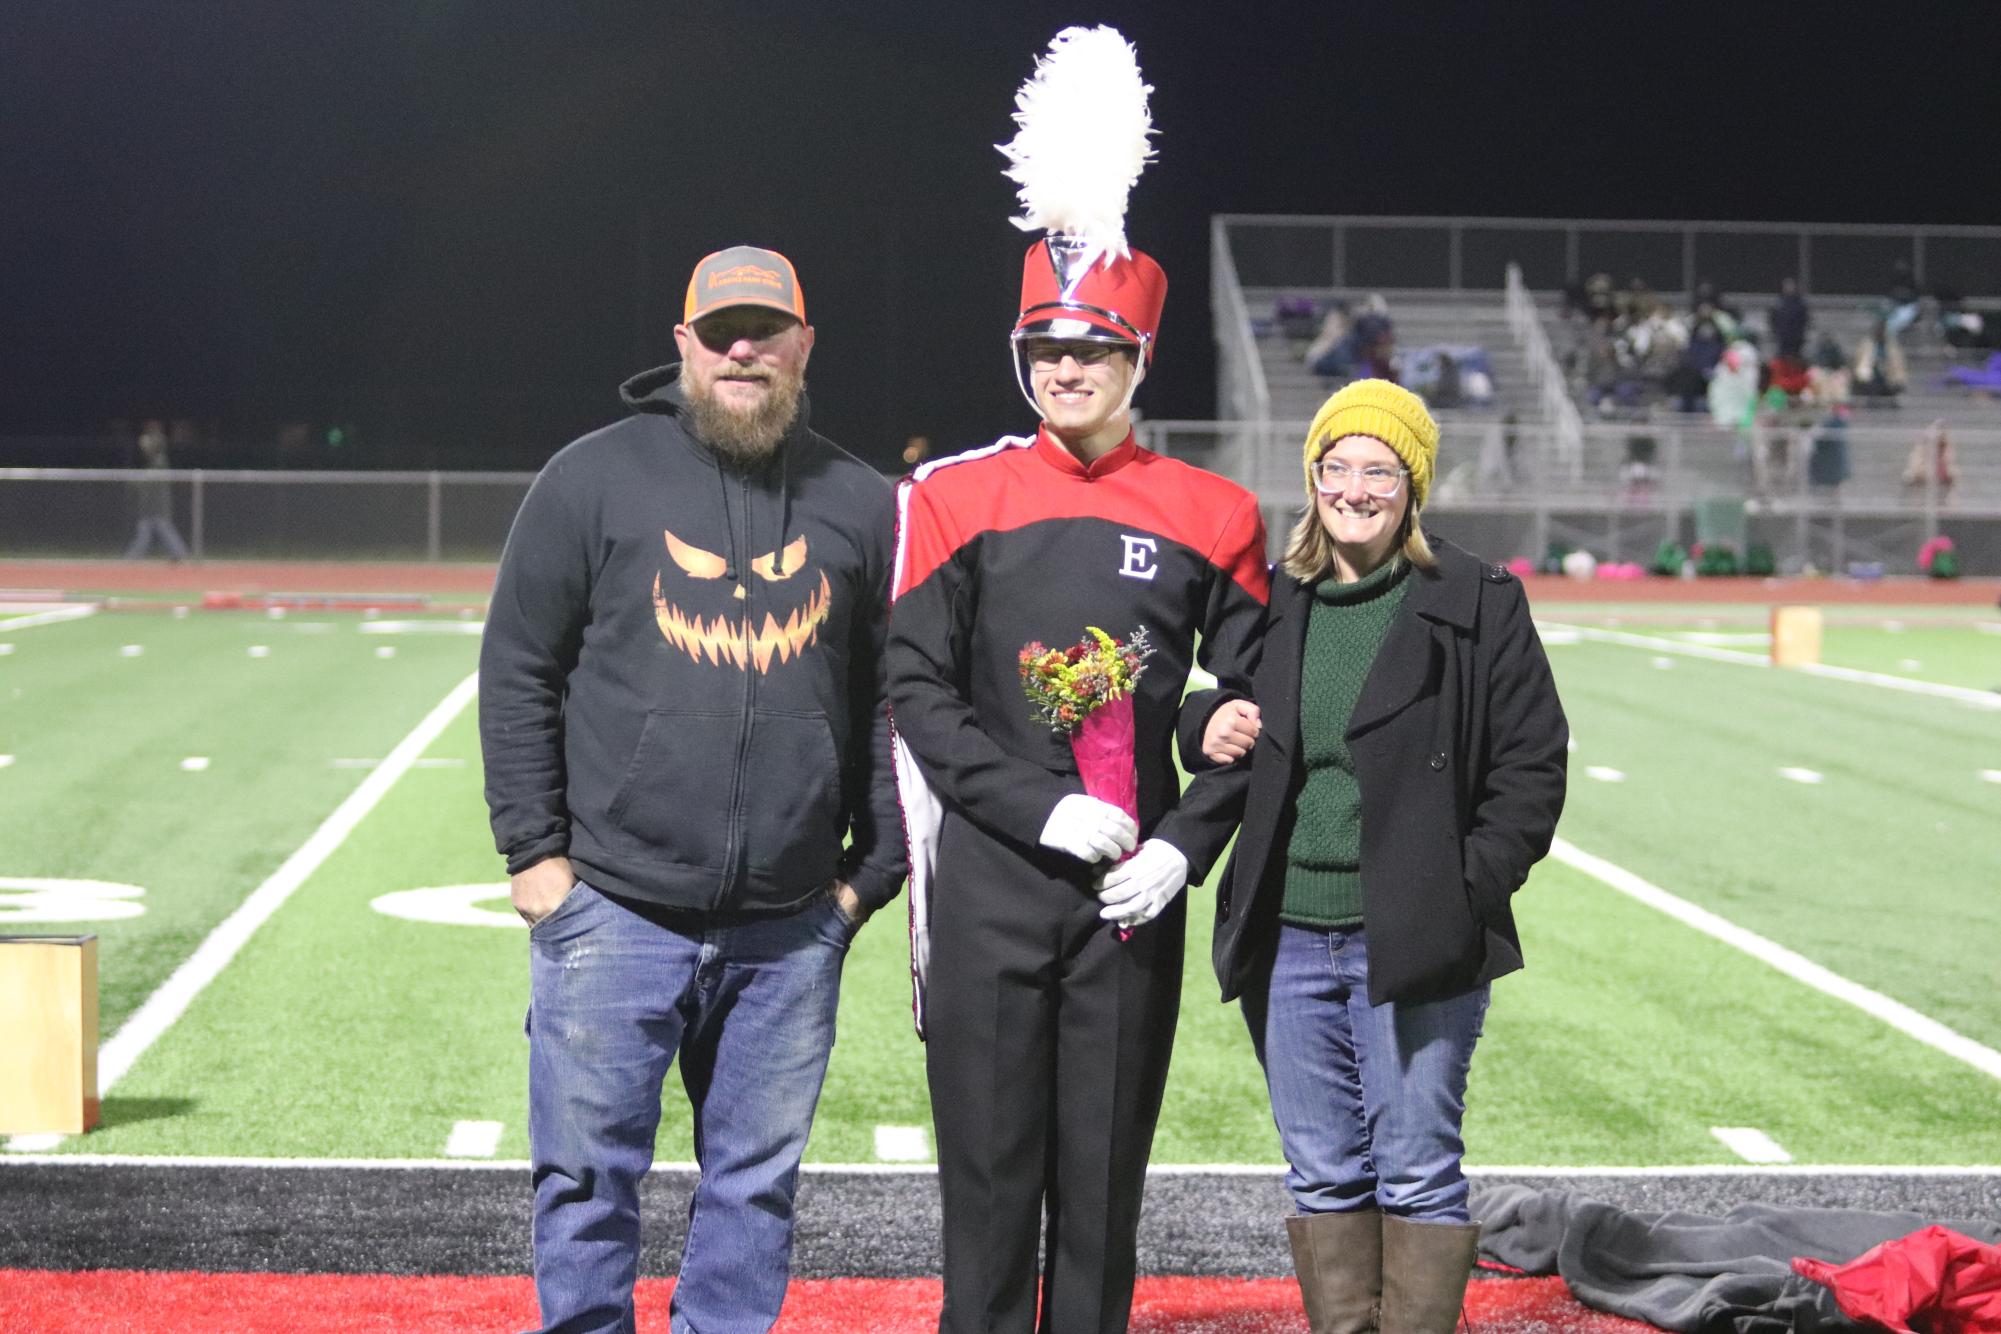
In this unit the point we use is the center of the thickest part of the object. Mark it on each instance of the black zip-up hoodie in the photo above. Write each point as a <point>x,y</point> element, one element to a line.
<point>681,684</point>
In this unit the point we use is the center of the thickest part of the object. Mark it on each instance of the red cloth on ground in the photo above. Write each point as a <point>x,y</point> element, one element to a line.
<point>1946,1279</point>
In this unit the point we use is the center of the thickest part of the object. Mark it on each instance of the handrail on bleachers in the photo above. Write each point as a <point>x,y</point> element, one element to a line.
<point>1546,375</point>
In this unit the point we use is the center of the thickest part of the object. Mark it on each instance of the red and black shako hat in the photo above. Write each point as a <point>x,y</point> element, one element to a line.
<point>1081,141</point>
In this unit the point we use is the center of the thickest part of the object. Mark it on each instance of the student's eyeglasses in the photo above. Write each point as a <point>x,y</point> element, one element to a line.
<point>1047,356</point>
<point>1331,478</point>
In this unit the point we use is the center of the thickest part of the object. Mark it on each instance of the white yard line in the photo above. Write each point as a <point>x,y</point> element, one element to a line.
<point>428,762</point>
<point>902,1144</point>
<point>422,627</point>
<point>173,997</point>
<point>1272,1170</point>
<point>473,1139</point>
<point>52,616</point>
<point>1796,966</point>
<point>1983,699</point>
<point>1798,775</point>
<point>1604,773</point>
<point>1725,640</point>
<point>1751,1144</point>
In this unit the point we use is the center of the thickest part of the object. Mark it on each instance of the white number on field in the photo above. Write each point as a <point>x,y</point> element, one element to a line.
<point>451,905</point>
<point>29,899</point>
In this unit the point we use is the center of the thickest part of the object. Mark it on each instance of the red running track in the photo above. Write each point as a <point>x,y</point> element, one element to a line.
<point>194,578</point>
<point>127,1302</point>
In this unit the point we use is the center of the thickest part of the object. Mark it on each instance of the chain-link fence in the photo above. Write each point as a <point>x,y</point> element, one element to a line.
<point>260,515</point>
<point>1820,495</point>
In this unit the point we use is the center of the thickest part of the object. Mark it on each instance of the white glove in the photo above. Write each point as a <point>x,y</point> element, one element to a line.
<point>1138,888</point>
<point>1088,829</point>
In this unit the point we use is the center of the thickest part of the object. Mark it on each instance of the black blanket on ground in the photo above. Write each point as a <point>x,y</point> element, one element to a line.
<point>1683,1271</point>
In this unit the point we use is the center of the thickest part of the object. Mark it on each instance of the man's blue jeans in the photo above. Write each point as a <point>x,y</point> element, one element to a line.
<point>749,1007</point>
<point>1368,1098</point>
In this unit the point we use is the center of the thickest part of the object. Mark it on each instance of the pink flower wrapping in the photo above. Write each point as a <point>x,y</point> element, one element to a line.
<point>1105,752</point>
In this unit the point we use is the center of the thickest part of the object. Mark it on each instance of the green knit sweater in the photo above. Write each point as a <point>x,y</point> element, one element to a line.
<point>1345,629</point>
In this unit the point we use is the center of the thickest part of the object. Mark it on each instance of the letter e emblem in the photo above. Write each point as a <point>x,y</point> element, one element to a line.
<point>1139,556</point>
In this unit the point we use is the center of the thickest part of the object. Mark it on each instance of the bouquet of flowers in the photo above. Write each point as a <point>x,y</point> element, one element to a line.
<point>1085,692</point>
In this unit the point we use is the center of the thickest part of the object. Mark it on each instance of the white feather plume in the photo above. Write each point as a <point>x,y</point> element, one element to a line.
<point>1081,139</point>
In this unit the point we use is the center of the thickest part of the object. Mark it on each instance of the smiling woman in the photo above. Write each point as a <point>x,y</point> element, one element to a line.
<point>1407,769</point>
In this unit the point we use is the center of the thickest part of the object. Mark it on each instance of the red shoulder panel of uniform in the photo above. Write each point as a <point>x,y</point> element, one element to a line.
<point>1007,486</point>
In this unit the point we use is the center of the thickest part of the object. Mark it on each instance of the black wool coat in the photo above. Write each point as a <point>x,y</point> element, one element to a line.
<point>1459,744</point>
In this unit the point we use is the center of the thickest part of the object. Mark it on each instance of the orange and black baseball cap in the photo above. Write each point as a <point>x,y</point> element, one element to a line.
<point>744,275</point>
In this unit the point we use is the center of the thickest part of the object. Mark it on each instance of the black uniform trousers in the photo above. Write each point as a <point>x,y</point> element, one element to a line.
<point>1047,1051</point>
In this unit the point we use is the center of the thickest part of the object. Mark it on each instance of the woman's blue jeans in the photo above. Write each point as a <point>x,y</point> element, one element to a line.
<point>1368,1098</point>
<point>749,1008</point>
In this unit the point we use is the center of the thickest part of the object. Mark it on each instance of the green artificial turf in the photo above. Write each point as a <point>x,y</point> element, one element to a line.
<point>96,790</point>
<point>1883,871</point>
<point>339,1031</point>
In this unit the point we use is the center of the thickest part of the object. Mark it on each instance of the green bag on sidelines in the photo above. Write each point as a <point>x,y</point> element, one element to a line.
<point>1718,560</point>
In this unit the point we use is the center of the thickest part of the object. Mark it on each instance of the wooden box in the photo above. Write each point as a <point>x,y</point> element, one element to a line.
<point>1795,636</point>
<point>48,1034</point>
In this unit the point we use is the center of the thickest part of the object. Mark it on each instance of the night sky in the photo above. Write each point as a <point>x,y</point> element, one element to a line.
<point>456,225</point>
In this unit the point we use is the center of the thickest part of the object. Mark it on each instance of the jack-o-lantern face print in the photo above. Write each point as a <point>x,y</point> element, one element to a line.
<point>702,613</point>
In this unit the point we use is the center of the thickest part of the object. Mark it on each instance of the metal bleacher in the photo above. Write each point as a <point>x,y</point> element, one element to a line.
<point>1537,466</point>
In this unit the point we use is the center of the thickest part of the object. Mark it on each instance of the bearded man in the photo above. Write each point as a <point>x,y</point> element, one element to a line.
<point>688,770</point>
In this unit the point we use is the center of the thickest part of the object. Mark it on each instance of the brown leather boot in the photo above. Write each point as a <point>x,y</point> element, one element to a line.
<point>1425,1268</point>
<point>1339,1260</point>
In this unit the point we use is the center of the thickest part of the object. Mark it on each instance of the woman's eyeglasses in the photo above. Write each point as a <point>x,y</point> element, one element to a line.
<point>1331,478</point>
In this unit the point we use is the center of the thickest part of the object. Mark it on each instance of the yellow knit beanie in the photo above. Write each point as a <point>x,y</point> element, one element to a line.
<point>1386,411</point>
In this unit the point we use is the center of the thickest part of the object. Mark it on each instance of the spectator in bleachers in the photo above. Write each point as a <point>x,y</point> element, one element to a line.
<point>1636,302</point>
<point>1688,383</point>
<point>1773,442</point>
<point>1964,328</point>
<point>1375,340</point>
<point>1603,366</point>
<point>1879,363</point>
<point>1790,318</point>
<point>1453,375</point>
<point>1931,453</point>
<point>1364,351</point>
<point>1706,303</point>
<point>1733,386</point>
<point>1447,390</point>
<point>1827,462</point>
<point>1330,354</point>
<point>1708,299</point>
<point>1655,344</point>
<point>1587,300</point>
<point>1902,299</point>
